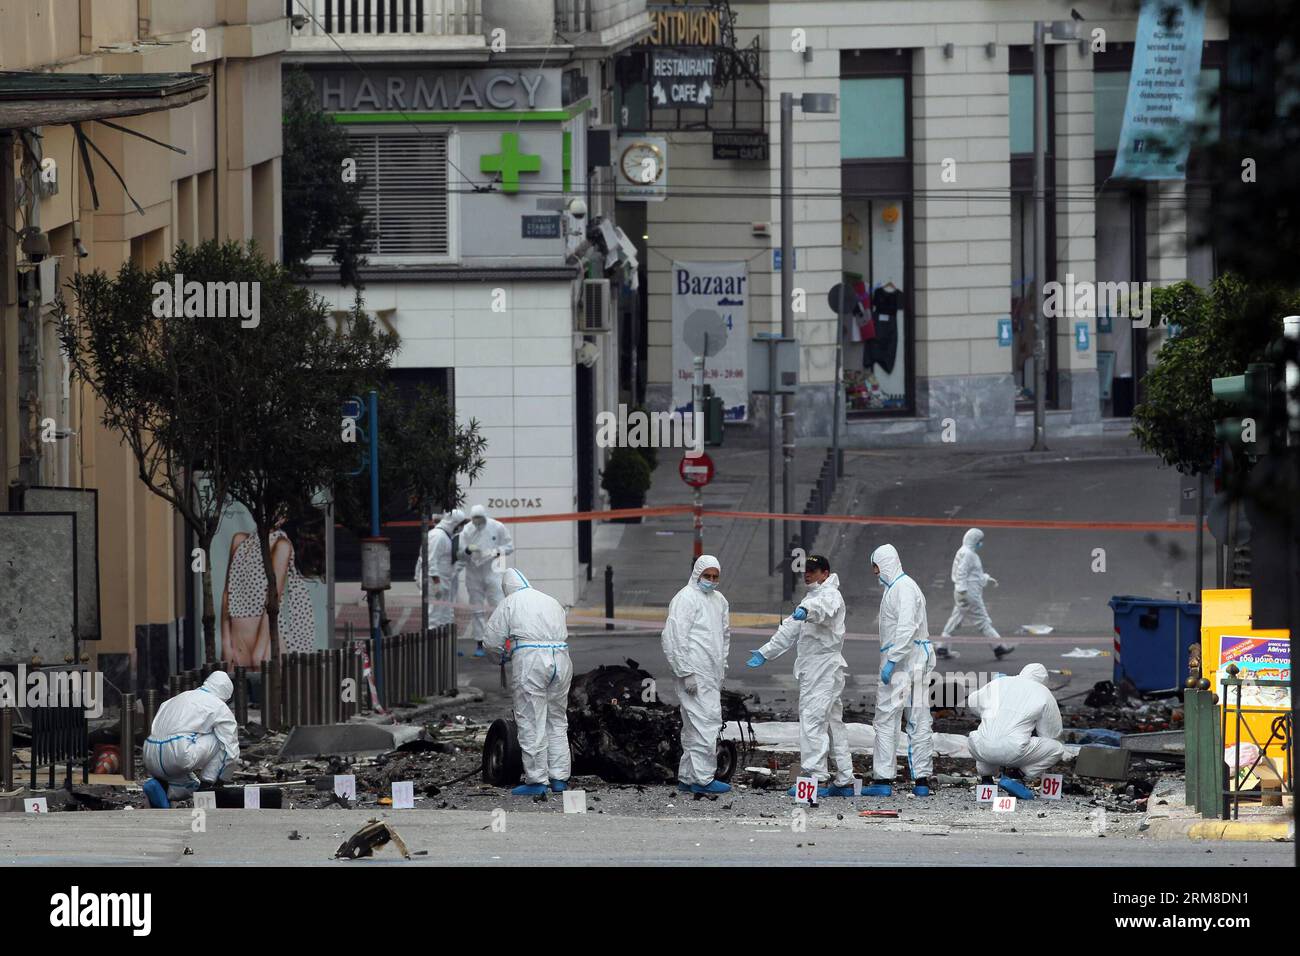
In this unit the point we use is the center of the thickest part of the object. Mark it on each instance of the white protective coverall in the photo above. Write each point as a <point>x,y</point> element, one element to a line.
<point>904,640</point>
<point>1020,724</point>
<point>538,650</point>
<point>481,546</point>
<point>968,583</point>
<point>442,592</point>
<point>819,667</point>
<point>696,641</point>
<point>194,738</point>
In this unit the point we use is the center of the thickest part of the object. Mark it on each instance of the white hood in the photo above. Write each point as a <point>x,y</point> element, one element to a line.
<point>885,557</point>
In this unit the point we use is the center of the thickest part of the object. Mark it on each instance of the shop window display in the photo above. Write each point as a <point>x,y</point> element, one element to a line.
<point>875,354</point>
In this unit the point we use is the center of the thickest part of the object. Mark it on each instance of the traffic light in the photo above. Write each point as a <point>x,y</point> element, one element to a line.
<point>1252,397</point>
<point>1259,434</point>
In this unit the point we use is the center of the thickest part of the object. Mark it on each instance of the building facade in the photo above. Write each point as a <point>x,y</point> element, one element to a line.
<point>917,192</point>
<point>224,186</point>
<point>475,132</point>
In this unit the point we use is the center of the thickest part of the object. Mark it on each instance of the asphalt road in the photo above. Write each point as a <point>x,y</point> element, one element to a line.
<point>1045,576</point>
<point>460,838</point>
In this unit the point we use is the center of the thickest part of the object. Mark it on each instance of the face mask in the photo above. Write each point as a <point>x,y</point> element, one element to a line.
<point>706,586</point>
<point>978,545</point>
<point>480,522</point>
<point>881,579</point>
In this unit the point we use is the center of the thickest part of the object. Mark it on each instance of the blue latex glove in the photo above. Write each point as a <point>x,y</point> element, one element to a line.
<point>755,659</point>
<point>800,614</point>
<point>887,672</point>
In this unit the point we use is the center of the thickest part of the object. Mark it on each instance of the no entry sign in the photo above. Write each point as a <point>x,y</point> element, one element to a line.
<point>696,472</point>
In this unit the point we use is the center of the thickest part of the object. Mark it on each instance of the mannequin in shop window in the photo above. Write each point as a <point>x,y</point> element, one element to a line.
<point>880,338</point>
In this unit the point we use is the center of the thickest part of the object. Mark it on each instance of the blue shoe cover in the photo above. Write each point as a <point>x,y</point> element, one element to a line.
<point>479,652</point>
<point>559,786</point>
<point>157,794</point>
<point>878,790</point>
<point>717,786</point>
<point>684,787</point>
<point>1016,788</point>
<point>529,790</point>
<point>921,790</point>
<point>835,791</point>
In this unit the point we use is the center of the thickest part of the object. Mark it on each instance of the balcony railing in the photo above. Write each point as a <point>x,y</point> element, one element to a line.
<point>386,17</point>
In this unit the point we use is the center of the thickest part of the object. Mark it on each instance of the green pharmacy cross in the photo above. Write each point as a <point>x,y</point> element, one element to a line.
<point>510,163</point>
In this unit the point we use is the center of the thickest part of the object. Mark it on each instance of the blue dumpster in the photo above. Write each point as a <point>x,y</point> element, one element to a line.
<point>1152,640</point>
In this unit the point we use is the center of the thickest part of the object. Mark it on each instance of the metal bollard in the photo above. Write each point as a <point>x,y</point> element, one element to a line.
<point>609,596</point>
<point>406,668</point>
<point>6,748</point>
<point>334,663</point>
<point>359,678</point>
<point>298,670</point>
<point>150,710</point>
<point>322,689</point>
<point>268,689</point>
<point>318,687</point>
<point>241,696</point>
<point>126,736</point>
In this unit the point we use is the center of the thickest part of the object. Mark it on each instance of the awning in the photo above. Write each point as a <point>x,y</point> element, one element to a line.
<point>29,99</point>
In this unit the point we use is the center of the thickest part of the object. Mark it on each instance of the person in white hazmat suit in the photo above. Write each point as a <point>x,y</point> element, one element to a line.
<point>696,641</point>
<point>483,541</point>
<point>818,626</point>
<point>444,575</point>
<point>968,583</point>
<point>907,660</point>
<point>194,742</point>
<point>1019,731</point>
<point>529,629</point>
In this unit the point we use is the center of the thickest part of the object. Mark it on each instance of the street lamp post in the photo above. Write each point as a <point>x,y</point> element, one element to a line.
<point>1059,30</point>
<point>809,103</point>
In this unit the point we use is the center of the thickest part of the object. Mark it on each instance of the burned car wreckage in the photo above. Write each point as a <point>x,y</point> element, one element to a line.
<point>619,730</point>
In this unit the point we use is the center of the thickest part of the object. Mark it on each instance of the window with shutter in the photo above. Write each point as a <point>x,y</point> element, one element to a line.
<point>405,189</point>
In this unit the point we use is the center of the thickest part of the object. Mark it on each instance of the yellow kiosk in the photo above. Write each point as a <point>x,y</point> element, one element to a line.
<point>1228,638</point>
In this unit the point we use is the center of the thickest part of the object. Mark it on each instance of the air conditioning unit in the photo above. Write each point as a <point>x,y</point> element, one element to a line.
<point>594,316</point>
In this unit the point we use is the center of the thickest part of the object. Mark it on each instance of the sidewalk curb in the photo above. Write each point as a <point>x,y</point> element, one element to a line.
<point>1237,830</point>
<point>1054,458</point>
<point>467,695</point>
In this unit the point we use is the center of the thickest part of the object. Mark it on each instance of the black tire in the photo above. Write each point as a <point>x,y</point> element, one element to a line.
<point>727,760</point>
<point>503,761</point>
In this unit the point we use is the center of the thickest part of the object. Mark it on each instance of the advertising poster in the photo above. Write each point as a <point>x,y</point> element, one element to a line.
<point>239,587</point>
<point>1258,658</point>
<point>711,317</point>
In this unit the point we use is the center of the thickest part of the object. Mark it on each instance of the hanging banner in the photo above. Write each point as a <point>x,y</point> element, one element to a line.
<point>1162,91</point>
<point>711,318</point>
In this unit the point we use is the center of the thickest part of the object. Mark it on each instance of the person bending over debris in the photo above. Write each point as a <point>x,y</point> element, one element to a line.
<point>818,626</point>
<point>529,629</point>
<point>696,639</point>
<point>193,733</point>
<point>1020,724</point>
<point>968,583</point>
<point>907,660</point>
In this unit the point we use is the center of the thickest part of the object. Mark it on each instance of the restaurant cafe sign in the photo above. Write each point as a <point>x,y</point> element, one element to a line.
<point>427,91</point>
